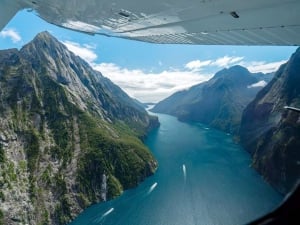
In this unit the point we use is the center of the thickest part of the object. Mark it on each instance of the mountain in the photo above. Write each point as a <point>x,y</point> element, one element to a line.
<point>218,102</point>
<point>69,137</point>
<point>267,77</point>
<point>271,133</point>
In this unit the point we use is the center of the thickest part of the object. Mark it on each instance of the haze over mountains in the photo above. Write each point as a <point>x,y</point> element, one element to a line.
<point>235,102</point>
<point>69,137</point>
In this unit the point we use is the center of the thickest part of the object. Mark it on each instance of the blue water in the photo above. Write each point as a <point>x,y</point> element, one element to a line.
<point>203,179</point>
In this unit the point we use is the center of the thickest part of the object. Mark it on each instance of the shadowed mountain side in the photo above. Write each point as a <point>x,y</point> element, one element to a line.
<point>271,133</point>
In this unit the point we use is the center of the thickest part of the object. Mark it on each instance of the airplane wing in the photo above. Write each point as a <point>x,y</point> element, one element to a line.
<point>205,22</point>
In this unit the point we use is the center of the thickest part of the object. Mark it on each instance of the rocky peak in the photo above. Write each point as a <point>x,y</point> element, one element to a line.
<point>218,102</point>
<point>44,42</point>
<point>69,137</point>
<point>44,35</point>
<point>235,76</point>
<point>48,56</point>
<point>236,70</point>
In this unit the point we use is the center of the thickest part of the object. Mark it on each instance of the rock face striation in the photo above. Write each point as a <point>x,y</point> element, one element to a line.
<point>271,133</point>
<point>218,102</point>
<point>69,137</point>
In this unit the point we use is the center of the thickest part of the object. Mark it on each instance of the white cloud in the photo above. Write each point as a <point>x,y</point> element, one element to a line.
<point>150,87</point>
<point>144,86</point>
<point>261,83</point>
<point>221,62</point>
<point>85,51</point>
<point>227,61</point>
<point>262,66</point>
<point>12,34</point>
<point>197,64</point>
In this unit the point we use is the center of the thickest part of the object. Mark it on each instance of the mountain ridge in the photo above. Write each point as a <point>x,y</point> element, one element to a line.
<point>69,137</point>
<point>263,127</point>
<point>218,102</point>
<point>275,132</point>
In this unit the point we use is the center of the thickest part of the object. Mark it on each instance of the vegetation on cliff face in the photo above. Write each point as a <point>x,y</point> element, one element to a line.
<point>271,133</point>
<point>68,136</point>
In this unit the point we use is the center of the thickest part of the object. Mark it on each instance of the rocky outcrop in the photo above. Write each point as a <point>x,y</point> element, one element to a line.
<point>69,137</point>
<point>218,102</point>
<point>271,133</point>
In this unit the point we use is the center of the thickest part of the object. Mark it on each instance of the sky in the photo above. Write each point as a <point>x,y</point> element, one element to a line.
<point>145,71</point>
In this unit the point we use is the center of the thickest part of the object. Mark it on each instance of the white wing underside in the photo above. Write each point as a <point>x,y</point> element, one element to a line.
<point>205,22</point>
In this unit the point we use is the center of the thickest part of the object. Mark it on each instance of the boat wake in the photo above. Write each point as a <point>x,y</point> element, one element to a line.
<point>98,220</point>
<point>108,212</point>
<point>153,186</point>
<point>184,171</point>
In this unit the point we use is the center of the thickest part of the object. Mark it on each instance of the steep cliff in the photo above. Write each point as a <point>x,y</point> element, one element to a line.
<point>69,137</point>
<point>271,133</point>
<point>218,102</point>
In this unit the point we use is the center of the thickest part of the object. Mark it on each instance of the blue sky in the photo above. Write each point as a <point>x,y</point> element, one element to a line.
<point>148,72</point>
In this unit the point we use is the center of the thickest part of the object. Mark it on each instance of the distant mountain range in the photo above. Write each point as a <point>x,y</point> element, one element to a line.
<point>234,102</point>
<point>218,102</point>
<point>69,137</point>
